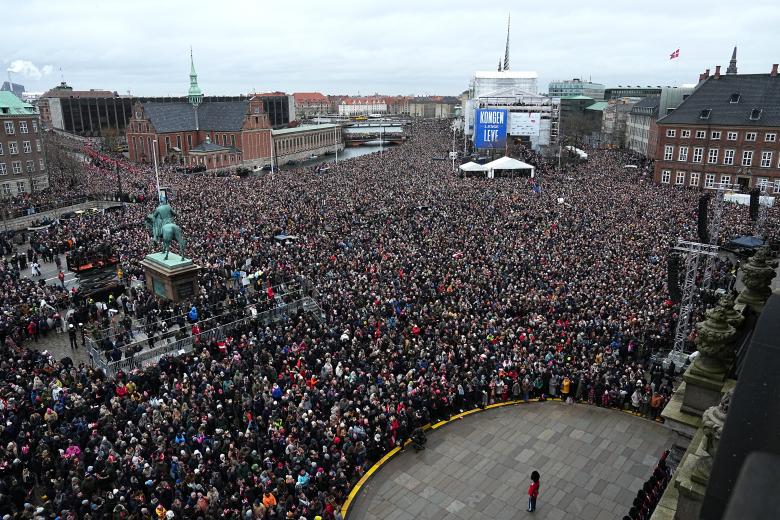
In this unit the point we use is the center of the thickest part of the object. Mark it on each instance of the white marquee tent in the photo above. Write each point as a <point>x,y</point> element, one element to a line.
<point>508,167</point>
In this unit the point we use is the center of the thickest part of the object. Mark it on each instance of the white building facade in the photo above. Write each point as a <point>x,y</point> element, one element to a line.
<point>362,106</point>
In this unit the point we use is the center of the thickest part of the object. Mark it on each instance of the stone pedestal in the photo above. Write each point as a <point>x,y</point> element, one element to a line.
<point>175,278</point>
<point>702,390</point>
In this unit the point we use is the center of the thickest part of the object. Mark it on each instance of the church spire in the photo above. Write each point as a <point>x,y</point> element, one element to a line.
<point>195,95</point>
<point>506,53</point>
<point>733,63</point>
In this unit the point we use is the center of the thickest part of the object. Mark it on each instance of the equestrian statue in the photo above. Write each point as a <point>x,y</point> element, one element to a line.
<point>163,229</point>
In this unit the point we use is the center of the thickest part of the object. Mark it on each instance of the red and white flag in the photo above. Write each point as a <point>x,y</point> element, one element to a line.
<point>675,54</point>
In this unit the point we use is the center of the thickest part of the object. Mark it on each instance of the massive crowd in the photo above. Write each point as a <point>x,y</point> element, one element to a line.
<point>439,294</point>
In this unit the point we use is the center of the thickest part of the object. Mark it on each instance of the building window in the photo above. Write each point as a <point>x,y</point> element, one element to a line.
<point>35,126</point>
<point>3,169</point>
<point>728,157</point>
<point>680,180</point>
<point>668,152</point>
<point>16,167</point>
<point>34,185</point>
<point>26,146</point>
<point>700,134</point>
<point>750,136</point>
<point>9,127</point>
<point>22,127</point>
<point>178,142</point>
<point>747,157</point>
<point>763,183</point>
<point>712,156</point>
<point>693,179</point>
<point>7,188</point>
<point>189,141</point>
<point>776,188</point>
<point>665,176</point>
<point>770,137</point>
<point>167,144</point>
<point>671,132</point>
<point>766,159</point>
<point>709,180</point>
<point>685,133</point>
<point>20,187</point>
<point>698,153</point>
<point>37,145</point>
<point>731,136</point>
<point>715,135</point>
<point>41,164</point>
<point>233,140</point>
<point>30,166</point>
<point>682,156</point>
<point>725,180</point>
<point>1,149</point>
<point>13,149</point>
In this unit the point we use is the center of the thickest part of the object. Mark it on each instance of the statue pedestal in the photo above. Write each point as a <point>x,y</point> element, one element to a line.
<point>175,279</point>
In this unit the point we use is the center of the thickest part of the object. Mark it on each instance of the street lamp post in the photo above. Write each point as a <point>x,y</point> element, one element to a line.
<point>156,173</point>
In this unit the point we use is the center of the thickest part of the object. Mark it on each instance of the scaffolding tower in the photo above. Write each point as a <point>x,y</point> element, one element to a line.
<point>693,251</point>
<point>714,229</point>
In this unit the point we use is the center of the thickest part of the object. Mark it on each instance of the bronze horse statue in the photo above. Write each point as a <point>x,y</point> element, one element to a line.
<point>166,233</point>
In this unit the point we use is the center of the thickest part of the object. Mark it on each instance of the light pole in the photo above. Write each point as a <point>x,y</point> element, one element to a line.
<point>336,140</point>
<point>156,173</point>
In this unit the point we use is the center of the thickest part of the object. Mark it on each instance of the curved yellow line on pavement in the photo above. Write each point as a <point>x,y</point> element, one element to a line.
<point>392,453</point>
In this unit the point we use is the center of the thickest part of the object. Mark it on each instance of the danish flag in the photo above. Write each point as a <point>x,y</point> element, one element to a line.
<point>675,54</point>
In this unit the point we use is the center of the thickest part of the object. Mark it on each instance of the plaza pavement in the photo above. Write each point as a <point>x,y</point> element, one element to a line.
<point>592,462</point>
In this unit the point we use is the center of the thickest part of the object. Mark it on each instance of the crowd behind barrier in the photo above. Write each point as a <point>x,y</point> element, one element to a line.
<point>439,294</point>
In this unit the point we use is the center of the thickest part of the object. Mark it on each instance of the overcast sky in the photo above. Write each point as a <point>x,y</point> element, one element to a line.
<point>393,47</point>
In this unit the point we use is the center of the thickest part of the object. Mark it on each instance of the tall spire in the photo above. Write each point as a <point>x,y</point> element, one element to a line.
<point>194,94</point>
<point>733,63</point>
<point>506,53</point>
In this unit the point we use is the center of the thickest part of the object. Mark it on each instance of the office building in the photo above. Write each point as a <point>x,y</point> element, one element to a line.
<point>23,166</point>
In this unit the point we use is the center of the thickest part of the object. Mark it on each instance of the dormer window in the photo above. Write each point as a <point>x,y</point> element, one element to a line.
<point>734,98</point>
<point>755,114</point>
<point>705,114</point>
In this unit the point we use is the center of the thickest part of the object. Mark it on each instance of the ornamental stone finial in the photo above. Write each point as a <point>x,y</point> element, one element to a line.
<point>714,341</point>
<point>712,422</point>
<point>757,276</point>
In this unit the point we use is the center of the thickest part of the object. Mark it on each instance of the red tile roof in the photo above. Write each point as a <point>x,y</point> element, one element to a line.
<point>309,97</point>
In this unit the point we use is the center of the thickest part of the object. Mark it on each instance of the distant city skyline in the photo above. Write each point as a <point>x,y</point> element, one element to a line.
<point>351,47</point>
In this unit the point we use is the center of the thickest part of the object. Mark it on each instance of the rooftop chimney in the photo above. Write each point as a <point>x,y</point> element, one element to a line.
<point>774,70</point>
<point>717,72</point>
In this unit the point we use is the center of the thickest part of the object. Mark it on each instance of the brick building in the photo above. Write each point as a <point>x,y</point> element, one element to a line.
<point>310,104</point>
<point>726,131</point>
<point>215,135</point>
<point>22,159</point>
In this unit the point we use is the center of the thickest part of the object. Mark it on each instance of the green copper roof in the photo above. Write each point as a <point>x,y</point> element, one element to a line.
<point>576,97</point>
<point>598,105</point>
<point>12,105</point>
<point>195,94</point>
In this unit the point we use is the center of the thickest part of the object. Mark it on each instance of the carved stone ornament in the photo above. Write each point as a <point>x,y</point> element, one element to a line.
<point>757,276</point>
<point>714,341</point>
<point>712,425</point>
<point>733,316</point>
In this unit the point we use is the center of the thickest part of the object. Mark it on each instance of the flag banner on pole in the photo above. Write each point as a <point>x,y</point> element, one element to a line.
<point>675,54</point>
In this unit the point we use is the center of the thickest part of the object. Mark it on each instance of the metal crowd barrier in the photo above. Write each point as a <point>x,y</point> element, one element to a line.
<point>185,345</point>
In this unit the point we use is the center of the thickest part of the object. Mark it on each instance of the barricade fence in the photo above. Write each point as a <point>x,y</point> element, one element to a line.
<point>185,345</point>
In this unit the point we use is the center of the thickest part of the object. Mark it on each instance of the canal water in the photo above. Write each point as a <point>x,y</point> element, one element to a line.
<point>347,153</point>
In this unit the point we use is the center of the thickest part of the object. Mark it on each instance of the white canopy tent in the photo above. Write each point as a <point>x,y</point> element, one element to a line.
<point>508,167</point>
<point>471,169</point>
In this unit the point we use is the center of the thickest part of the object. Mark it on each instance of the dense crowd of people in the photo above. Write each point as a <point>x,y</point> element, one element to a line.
<point>439,294</point>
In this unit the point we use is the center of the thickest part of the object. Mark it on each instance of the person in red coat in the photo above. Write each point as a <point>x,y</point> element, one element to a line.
<point>533,491</point>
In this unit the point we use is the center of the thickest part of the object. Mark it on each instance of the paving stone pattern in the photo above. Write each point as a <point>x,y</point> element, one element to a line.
<point>592,462</point>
